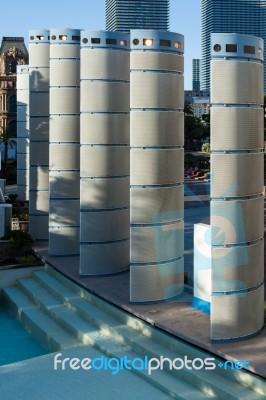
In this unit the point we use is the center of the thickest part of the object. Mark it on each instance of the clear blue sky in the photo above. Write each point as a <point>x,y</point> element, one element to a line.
<point>19,16</point>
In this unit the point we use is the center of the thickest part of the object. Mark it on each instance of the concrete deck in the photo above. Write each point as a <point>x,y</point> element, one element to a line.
<point>176,317</point>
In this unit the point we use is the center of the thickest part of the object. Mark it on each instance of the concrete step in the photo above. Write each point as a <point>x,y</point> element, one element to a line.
<point>148,341</point>
<point>106,343</point>
<point>44,328</point>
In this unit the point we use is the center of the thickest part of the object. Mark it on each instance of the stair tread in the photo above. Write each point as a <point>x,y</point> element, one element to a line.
<point>136,339</point>
<point>54,284</point>
<point>37,316</point>
<point>81,320</point>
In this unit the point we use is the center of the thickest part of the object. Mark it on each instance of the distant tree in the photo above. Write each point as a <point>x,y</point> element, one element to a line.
<point>8,138</point>
<point>194,131</point>
<point>188,109</point>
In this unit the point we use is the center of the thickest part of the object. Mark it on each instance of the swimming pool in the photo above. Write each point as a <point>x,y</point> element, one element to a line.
<point>16,344</point>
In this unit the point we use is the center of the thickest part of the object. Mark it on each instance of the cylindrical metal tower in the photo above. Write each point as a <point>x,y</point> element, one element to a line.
<point>39,58</point>
<point>157,163</point>
<point>237,202</point>
<point>104,163</point>
<point>64,142</point>
<point>23,135</point>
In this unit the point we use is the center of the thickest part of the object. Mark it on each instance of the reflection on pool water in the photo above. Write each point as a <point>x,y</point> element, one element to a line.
<point>16,343</point>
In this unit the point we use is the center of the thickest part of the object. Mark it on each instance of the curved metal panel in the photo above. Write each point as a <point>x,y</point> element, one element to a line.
<point>64,184</point>
<point>22,145</point>
<point>104,193</point>
<point>64,156</point>
<point>23,177</point>
<point>39,153</point>
<point>63,241</point>
<point>39,55</point>
<point>39,79</point>
<point>93,258</point>
<point>23,113</point>
<point>63,213</point>
<point>23,101</point>
<point>104,64</point>
<point>156,243</point>
<point>237,221</point>
<point>23,192</point>
<point>100,96</point>
<point>64,100</point>
<point>156,128</point>
<point>236,82</point>
<point>64,128</point>
<point>39,177</point>
<point>150,205</point>
<point>156,282</point>
<point>104,226</point>
<point>239,128</point>
<point>22,82</point>
<point>104,161</point>
<point>237,174</point>
<point>156,61</point>
<point>242,315</point>
<point>104,129</point>
<point>39,104</point>
<point>156,90</point>
<point>23,132</point>
<point>237,268</point>
<point>156,166</point>
<point>39,128</point>
<point>64,50</point>
<point>64,72</point>
<point>38,202</point>
<point>22,158</point>
<point>38,227</point>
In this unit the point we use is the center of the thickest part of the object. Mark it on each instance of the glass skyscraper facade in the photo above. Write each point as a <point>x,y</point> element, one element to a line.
<point>229,16</point>
<point>123,15</point>
<point>196,74</point>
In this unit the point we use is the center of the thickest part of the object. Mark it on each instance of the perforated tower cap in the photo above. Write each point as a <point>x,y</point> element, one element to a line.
<point>233,45</point>
<point>39,36</point>
<point>66,35</point>
<point>105,39</point>
<point>152,40</point>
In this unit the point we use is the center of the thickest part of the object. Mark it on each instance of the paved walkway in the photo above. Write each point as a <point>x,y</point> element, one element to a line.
<point>177,316</point>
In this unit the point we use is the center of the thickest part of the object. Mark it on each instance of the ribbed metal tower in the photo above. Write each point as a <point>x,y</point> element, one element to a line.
<point>64,142</point>
<point>157,163</point>
<point>23,135</point>
<point>104,163</point>
<point>39,58</point>
<point>237,201</point>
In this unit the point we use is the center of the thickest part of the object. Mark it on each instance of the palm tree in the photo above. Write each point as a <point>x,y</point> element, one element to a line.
<point>188,109</point>
<point>7,137</point>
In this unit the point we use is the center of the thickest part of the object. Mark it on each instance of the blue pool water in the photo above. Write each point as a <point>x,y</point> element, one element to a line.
<point>16,343</point>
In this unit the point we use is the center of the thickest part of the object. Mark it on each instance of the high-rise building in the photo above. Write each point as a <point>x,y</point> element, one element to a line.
<point>227,16</point>
<point>123,15</point>
<point>196,75</point>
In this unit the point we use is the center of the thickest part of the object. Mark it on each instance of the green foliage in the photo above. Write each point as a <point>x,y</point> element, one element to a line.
<point>194,130</point>
<point>18,237</point>
<point>12,197</point>
<point>28,259</point>
<point>206,147</point>
<point>20,215</point>
<point>188,110</point>
<point>8,138</point>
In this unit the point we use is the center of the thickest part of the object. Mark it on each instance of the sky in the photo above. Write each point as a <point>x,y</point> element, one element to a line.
<point>18,17</point>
